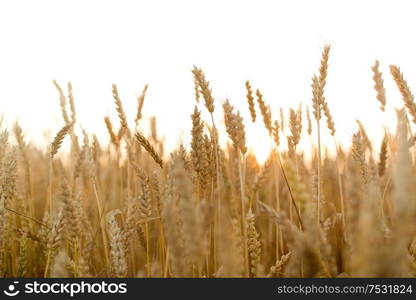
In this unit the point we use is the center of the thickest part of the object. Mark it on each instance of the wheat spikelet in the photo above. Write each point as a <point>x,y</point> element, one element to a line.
<point>253,243</point>
<point>62,102</point>
<point>358,152</point>
<point>117,249</point>
<point>113,136</point>
<point>407,95</point>
<point>119,107</point>
<point>199,155</point>
<point>276,137</point>
<point>299,119</point>
<point>149,148</point>
<point>71,103</point>
<point>204,87</point>
<point>364,136</point>
<point>265,112</point>
<point>145,201</point>
<point>241,135</point>
<point>213,154</point>
<point>197,90</point>
<point>72,223</point>
<point>316,98</point>
<point>318,87</point>
<point>323,69</point>
<point>295,125</point>
<point>329,119</point>
<point>323,72</point>
<point>379,85</point>
<point>140,101</point>
<point>155,193</point>
<point>18,133</point>
<point>57,141</point>
<point>277,269</point>
<point>383,157</point>
<point>250,101</point>
<point>235,127</point>
<point>55,237</point>
<point>308,118</point>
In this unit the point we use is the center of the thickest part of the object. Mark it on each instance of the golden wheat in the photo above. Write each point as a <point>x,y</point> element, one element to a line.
<point>100,210</point>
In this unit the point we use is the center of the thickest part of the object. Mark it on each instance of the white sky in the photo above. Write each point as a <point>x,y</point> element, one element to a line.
<point>275,44</point>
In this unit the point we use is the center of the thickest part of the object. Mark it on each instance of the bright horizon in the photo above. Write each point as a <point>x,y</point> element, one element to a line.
<point>96,43</point>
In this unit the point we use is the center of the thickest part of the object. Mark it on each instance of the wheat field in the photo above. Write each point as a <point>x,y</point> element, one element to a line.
<point>128,209</point>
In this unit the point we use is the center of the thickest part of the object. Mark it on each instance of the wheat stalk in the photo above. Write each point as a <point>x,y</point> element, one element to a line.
<point>404,89</point>
<point>379,85</point>
<point>149,148</point>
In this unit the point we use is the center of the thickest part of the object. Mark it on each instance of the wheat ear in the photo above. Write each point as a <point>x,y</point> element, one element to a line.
<point>149,148</point>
